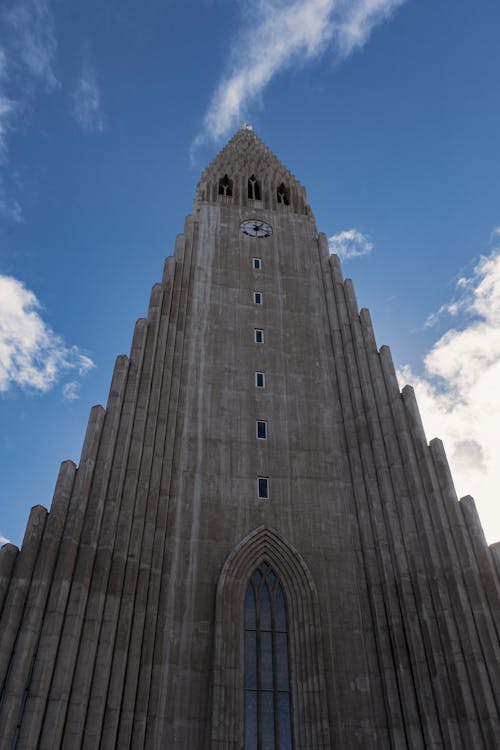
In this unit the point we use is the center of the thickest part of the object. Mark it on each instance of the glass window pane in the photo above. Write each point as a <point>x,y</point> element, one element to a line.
<point>285,724</point>
<point>266,661</point>
<point>263,488</point>
<point>280,644</point>
<point>250,660</point>
<point>250,721</point>
<point>265,609</point>
<point>262,430</point>
<point>279,609</point>
<point>267,721</point>
<point>250,608</point>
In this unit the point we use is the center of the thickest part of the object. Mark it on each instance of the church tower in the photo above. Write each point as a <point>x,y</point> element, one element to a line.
<point>259,550</point>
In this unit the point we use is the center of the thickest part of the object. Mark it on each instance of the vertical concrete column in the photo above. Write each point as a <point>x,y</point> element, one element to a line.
<point>8,554</point>
<point>483,556</point>
<point>56,605</point>
<point>81,576</point>
<point>119,598</point>
<point>76,641</point>
<point>495,553</point>
<point>370,523</point>
<point>471,611</point>
<point>382,436</point>
<point>442,638</point>
<point>155,677</point>
<point>108,537</point>
<point>139,480</point>
<point>105,542</point>
<point>31,624</point>
<point>489,641</point>
<point>143,625</point>
<point>439,628</point>
<point>20,582</point>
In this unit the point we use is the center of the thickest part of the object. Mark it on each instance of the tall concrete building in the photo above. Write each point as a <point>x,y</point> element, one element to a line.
<point>259,550</point>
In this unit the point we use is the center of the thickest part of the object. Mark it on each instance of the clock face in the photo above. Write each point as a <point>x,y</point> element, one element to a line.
<point>256,228</point>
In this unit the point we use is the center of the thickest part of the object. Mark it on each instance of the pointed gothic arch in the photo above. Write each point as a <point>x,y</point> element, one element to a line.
<point>254,191</point>
<point>307,685</point>
<point>283,194</point>
<point>225,186</point>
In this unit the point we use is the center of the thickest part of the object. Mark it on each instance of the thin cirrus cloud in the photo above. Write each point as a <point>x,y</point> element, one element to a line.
<point>351,243</point>
<point>86,108</point>
<point>32,356</point>
<point>27,54</point>
<point>458,391</point>
<point>283,34</point>
<point>31,38</point>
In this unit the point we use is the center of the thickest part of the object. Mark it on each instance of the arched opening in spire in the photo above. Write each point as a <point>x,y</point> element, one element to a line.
<point>254,189</point>
<point>283,195</point>
<point>225,186</point>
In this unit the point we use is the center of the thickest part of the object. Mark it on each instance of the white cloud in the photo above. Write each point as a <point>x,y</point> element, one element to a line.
<point>26,58</point>
<point>459,395</point>
<point>33,37</point>
<point>87,101</point>
<point>4,540</point>
<point>277,34</point>
<point>351,243</point>
<point>71,391</point>
<point>32,356</point>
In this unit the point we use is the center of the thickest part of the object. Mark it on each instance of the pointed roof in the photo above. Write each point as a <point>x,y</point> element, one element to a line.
<point>245,155</point>
<point>246,151</point>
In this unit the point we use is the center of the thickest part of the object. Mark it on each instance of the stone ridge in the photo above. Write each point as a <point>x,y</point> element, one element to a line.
<point>246,152</point>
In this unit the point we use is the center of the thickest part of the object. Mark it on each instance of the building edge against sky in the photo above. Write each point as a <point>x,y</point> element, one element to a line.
<point>257,484</point>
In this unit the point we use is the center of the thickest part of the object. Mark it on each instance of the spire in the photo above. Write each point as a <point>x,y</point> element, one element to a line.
<point>246,158</point>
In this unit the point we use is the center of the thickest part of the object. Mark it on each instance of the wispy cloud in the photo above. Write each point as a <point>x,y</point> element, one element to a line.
<point>32,356</point>
<point>351,243</point>
<point>32,37</point>
<point>71,391</point>
<point>3,540</point>
<point>277,34</point>
<point>26,59</point>
<point>87,100</point>
<point>458,392</point>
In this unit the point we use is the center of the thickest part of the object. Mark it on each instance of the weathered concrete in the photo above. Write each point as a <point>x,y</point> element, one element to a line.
<point>129,608</point>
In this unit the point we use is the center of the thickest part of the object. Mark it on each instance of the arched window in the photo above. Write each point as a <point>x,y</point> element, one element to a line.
<point>283,195</point>
<point>225,186</point>
<point>253,188</point>
<point>267,688</point>
<point>259,572</point>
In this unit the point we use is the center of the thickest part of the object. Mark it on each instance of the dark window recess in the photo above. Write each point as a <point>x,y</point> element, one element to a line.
<point>268,722</point>
<point>262,430</point>
<point>225,186</point>
<point>283,195</point>
<point>257,298</point>
<point>257,263</point>
<point>263,488</point>
<point>259,336</point>
<point>253,188</point>
<point>259,379</point>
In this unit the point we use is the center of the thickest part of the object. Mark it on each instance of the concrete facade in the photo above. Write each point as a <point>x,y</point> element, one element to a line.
<point>122,613</point>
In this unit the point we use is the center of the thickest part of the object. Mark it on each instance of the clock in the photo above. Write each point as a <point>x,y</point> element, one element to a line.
<point>256,228</point>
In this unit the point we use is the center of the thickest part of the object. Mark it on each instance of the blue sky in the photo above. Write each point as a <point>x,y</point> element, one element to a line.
<point>386,110</point>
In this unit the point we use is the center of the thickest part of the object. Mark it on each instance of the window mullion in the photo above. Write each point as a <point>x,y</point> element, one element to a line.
<point>275,671</point>
<point>259,676</point>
